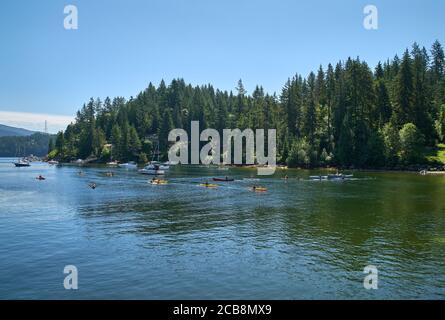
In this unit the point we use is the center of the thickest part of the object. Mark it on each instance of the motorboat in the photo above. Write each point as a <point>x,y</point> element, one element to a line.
<point>129,165</point>
<point>78,162</point>
<point>53,162</point>
<point>152,169</point>
<point>170,163</point>
<point>112,164</point>
<point>157,164</point>
<point>339,176</point>
<point>332,177</point>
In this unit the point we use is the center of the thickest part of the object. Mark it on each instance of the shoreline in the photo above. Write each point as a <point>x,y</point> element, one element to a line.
<point>439,170</point>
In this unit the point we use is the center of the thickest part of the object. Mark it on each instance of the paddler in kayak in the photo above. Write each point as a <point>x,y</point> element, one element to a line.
<point>40,177</point>
<point>155,181</point>
<point>93,185</point>
<point>258,189</point>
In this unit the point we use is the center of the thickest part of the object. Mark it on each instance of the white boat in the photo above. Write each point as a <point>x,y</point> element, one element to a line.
<point>129,165</point>
<point>339,176</point>
<point>153,169</point>
<point>22,163</point>
<point>157,164</point>
<point>53,162</point>
<point>113,164</point>
<point>332,177</point>
<point>78,162</point>
<point>152,172</point>
<point>318,177</point>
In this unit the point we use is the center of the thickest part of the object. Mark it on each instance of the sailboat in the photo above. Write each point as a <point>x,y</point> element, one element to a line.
<point>21,162</point>
<point>155,167</point>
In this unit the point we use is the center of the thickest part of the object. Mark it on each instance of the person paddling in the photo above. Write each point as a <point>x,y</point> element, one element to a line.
<point>92,185</point>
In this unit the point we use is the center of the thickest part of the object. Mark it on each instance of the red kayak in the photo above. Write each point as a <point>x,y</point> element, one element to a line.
<point>223,179</point>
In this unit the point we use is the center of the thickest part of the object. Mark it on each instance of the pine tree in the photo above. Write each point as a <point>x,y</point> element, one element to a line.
<point>51,145</point>
<point>60,144</point>
<point>404,92</point>
<point>166,126</point>
<point>438,62</point>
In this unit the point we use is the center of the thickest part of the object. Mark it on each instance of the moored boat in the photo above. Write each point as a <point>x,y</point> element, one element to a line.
<point>339,176</point>
<point>332,177</point>
<point>152,169</point>
<point>112,164</point>
<point>129,165</point>
<point>22,163</point>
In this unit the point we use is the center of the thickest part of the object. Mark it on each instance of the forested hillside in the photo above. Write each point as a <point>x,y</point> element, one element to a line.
<point>7,131</point>
<point>36,144</point>
<point>345,114</point>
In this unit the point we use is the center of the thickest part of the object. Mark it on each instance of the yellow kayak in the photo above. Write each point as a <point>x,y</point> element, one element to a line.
<point>258,189</point>
<point>208,185</point>
<point>158,182</point>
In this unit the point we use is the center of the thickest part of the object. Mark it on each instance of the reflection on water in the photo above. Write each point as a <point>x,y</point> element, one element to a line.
<point>301,239</point>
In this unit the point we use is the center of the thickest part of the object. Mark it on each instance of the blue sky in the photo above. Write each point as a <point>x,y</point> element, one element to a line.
<point>121,46</point>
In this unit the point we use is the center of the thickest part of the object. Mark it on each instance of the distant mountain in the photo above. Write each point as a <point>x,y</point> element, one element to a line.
<point>7,131</point>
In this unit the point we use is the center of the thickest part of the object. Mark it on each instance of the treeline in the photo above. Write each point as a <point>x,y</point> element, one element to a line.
<point>345,115</point>
<point>15,146</point>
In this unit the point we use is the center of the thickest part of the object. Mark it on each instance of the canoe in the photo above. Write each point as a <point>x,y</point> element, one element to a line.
<point>223,179</point>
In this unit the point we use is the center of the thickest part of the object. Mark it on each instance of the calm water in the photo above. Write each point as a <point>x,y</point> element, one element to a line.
<point>302,239</point>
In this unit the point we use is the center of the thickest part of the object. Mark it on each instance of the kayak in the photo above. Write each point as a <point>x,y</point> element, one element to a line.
<point>158,182</point>
<point>208,185</point>
<point>40,178</point>
<point>259,189</point>
<point>223,179</point>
